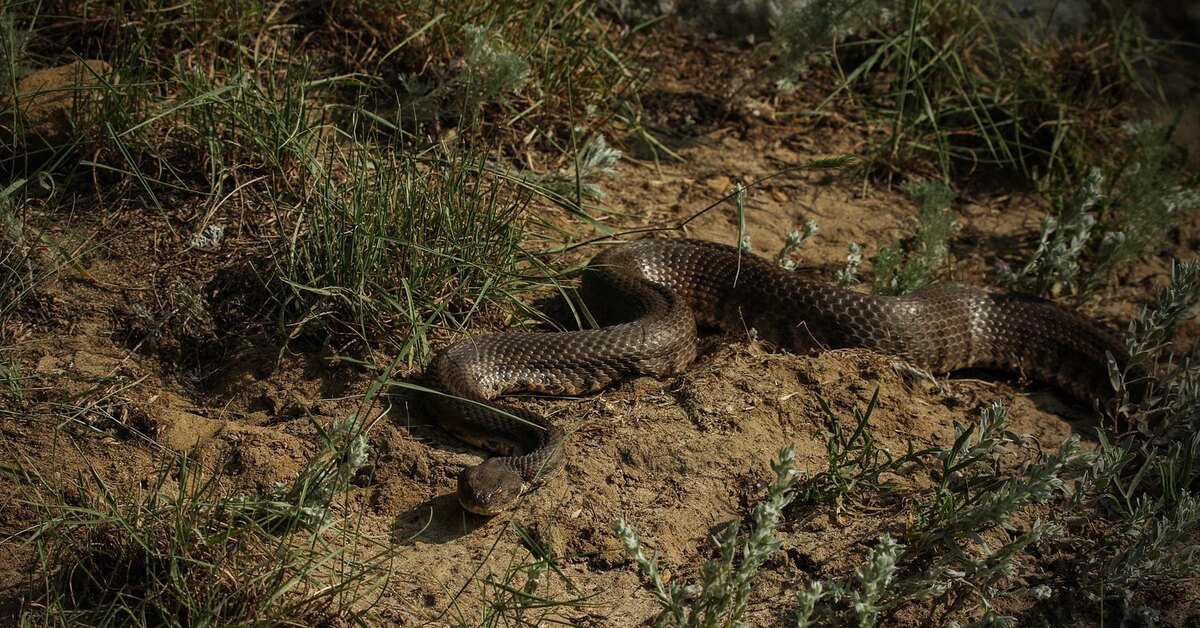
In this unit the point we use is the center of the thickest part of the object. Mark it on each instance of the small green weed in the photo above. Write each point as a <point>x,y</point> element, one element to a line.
<point>794,240</point>
<point>1102,229</point>
<point>724,590</point>
<point>848,274</point>
<point>901,268</point>
<point>856,463</point>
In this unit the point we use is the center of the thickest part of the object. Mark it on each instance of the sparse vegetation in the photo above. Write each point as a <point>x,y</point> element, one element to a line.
<point>523,591</point>
<point>1103,229</point>
<point>726,581</point>
<point>1143,482</point>
<point>1127,510</point>
<point>179,553</point>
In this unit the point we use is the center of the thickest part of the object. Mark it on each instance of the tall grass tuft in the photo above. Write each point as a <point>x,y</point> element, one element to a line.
<point>956,86</point>
<point>400,243</point>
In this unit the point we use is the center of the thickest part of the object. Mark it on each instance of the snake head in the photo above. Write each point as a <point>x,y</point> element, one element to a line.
<point>489,488</point>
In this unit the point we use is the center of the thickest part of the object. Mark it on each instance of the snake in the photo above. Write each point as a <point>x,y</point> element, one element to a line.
<point>649,296</point>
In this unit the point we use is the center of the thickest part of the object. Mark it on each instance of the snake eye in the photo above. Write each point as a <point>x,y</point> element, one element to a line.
<point>489,488</point>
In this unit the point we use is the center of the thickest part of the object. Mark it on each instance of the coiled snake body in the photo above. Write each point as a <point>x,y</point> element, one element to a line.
<point>648,296</point>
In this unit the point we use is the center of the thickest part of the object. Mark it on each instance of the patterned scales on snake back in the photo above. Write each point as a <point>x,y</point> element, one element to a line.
<point>648,297</point>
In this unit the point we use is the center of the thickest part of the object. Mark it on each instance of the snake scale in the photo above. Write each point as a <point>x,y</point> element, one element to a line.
<point>648,296</point>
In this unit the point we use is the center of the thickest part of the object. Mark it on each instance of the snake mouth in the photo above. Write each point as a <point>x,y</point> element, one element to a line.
<point>477,508</point>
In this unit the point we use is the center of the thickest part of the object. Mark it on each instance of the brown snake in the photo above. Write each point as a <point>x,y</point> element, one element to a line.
<point>648,296</point>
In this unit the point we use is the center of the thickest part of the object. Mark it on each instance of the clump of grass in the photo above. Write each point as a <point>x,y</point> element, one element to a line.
<point>727,580</point>
<point>1105,228</point>
<point>217,137</point>
<point>901,268</point>
<point>804,30</point>
<point>955,86</point>
<point>558,60</point>
<point>181,554</point>
<point>405,243</point>
<point>199,119</point>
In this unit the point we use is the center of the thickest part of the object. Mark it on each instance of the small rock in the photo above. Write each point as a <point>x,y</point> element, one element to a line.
<point>48,365</point>
<point>420,469</point>
<point>719,183</point>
